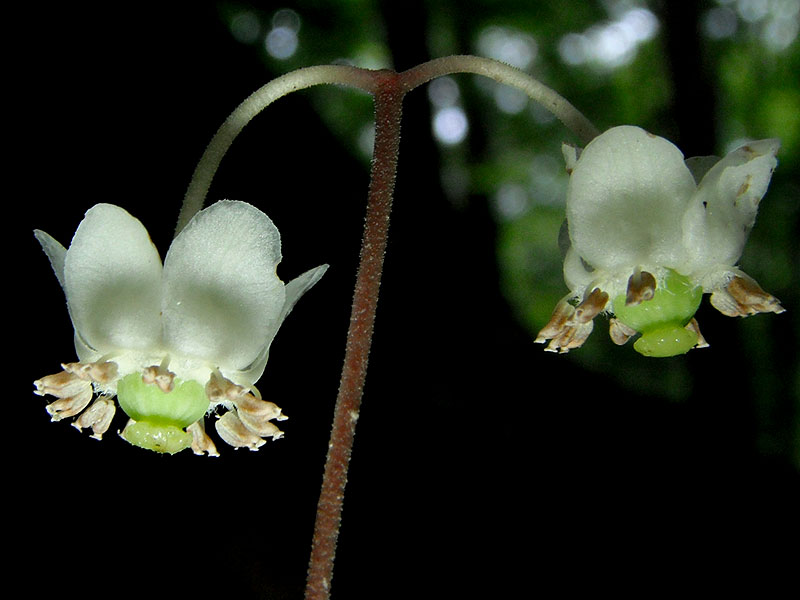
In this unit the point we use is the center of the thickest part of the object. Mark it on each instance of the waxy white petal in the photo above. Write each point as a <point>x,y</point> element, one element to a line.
<point>55,252</point>
<point>627,194</point>
<point>724,208</point>
<point>112,278</point>
<point>222,297</point>
<point>294,290</point>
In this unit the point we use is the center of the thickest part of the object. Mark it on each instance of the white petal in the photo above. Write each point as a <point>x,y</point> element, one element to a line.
<point>724,208</point>
<point>576,275</point>
<point>294,290</point>
<point>112,278</point>
<point>626,196</point>
<point>299,286</point>
<point>54,251</point>
<point>222,297</point>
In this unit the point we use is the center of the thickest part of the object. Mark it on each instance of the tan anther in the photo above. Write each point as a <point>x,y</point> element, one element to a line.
<point>562,313</point>
<point>619,332</point>
<point>97,372</point>
<point>693,326</point>
<point>233,431</point>
<point>219,389</point>
<point>641,287</point>
<point>98,416</point>
<point>163,378</point>
<point>70,406</point>
<point>751,298</point>
<point>258,409</point>
<point>73,393</point>
<point>61,385</point>
<point>564,330</point>
<point>201,443</point>
<point>591,306</point>
<point>255,414</point>
<point>573,336</point>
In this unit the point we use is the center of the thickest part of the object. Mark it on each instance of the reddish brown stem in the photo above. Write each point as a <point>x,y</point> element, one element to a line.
<point>388,111</point>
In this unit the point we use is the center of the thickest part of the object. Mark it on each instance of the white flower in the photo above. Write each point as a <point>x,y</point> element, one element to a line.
<point>649,233</point>
<point>172,342</point>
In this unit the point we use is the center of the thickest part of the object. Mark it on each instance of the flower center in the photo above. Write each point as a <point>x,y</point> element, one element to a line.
<point>662,320</point>
<point>159,416</point>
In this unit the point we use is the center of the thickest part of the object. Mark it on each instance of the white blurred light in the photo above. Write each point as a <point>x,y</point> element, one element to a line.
<point>366,139</point>
<point>507,45</point>
<point>281,42</point>
<point>245,27</point>
<point>288,18</point>
<point>547,179</point>
<point>443,91</point>
<point>574,48</point>
<point>719,23</point>
<point>511,200</point>
<point>450,125</point>
<point>752,10</point>
<point>779,34</point>
<point>510,100</point>
<point>610,44</point>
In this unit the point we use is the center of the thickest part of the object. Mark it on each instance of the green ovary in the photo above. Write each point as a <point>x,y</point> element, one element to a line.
<point>159,417</point>
<point>662,320</point>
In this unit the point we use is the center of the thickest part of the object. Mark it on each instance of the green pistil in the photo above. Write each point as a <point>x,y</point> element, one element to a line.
<point>160,417</point>
<point>662,320</point>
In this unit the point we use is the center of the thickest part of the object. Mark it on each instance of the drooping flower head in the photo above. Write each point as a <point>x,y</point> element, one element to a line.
<point>649,233</point>
<point>177,341</point>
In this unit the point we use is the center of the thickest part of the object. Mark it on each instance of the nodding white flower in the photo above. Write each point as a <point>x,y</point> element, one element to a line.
<point>649,233</point>
<point>177,341</point>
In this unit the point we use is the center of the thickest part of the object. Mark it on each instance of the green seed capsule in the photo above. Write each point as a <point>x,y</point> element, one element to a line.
<point>160,416</point>
<point>662,319</point>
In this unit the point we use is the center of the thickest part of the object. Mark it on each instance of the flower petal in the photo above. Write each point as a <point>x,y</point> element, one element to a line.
<point>55,252</point>
<point>112,278</point>
<point>724,208</point>
<point>626,196</point>
<point>222,297</point>
<point>294,290</point>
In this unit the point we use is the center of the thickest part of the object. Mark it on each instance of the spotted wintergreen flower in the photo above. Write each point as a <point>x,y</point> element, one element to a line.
<point>648,233</point>
<point>174,342</point>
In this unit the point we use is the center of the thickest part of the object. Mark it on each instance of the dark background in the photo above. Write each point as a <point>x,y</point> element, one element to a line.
<point>482,465</point>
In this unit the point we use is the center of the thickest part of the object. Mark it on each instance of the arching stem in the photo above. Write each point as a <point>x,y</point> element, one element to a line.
<point>565,112</point>
<point>249,108</point>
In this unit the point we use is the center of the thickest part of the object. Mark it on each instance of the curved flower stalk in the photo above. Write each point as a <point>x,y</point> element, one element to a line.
<point>177,341</point>
<point>649,233</point>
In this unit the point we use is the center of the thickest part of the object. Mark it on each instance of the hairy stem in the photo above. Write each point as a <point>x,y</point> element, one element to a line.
<point>388,110</point>
<point>570,116</point>
<point>244,113</point>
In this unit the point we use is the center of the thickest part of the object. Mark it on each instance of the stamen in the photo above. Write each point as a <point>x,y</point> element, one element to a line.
<point>743,297</point>
<point>619,332</point>
<point>641,288</point>
<point>63,408</point>
<point>569,327</point>
<point>749,295</point>
<point>591,306</point>
<point>98,416</point>
<point>201,443</point>
<point>694,327</point>
<point>160,376</point>
<point>573,336</point>
<point>562,313</point>
<point>233,431</point>
<point>96,372</point>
